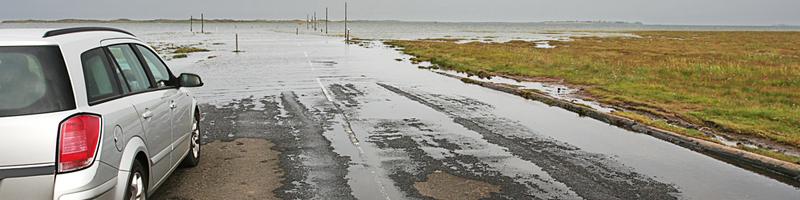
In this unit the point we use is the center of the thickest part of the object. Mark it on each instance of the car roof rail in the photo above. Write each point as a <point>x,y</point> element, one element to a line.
<point>64,31</point>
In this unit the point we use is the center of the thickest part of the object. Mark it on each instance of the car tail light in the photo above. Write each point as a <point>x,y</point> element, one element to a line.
<point>78,139</point>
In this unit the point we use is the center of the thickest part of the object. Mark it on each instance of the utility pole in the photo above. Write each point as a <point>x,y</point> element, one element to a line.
<point>202,23</point>
<point>307,22</point>
<point>346,31</point>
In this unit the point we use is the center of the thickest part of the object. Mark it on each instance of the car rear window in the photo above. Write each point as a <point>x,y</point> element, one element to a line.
<point>33,80</point>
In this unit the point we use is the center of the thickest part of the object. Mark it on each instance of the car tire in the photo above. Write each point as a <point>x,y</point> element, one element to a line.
<point>137,183</point>
<point>192,159</point>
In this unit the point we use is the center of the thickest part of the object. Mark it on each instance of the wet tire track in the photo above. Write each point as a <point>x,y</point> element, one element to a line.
<point>398,135</point>
<point>324,169</point>
<point>591,176</point>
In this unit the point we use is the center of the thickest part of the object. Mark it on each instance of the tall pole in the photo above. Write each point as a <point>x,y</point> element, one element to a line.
<point>202,23</point>
<point>326,20</point>
<point>315,20</point>
<point>191,24</point>
<point>346,31</point>
<point>307,22</point>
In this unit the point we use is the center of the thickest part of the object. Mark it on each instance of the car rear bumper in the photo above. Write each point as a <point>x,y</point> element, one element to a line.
<point>27,187</point>
<point>103,191</point>
<point>96,182</point>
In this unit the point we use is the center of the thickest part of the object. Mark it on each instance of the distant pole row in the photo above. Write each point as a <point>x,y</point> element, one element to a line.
<point>202,30</point>
<point>202,23</point>
<point>313,23</point>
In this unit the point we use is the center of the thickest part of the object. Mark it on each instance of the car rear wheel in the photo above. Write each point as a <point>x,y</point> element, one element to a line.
<point>137,183</point>
<point>193,158</point>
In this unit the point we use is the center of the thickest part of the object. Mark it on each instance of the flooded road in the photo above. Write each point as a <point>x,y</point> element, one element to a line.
<point>352,122</point>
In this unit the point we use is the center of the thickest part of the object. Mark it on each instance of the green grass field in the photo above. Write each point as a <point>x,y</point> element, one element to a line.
<point>745,83</point>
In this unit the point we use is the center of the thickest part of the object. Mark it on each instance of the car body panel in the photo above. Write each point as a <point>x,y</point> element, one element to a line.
<point>135,146</point>
<point>36,134</point>
<point>85,180</point>
<point>29,187</point>
<point>117,114</point>
<point>182,119</point>
<point>158,130</point>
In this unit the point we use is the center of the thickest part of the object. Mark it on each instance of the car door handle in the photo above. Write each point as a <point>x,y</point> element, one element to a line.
<point>147,114</point>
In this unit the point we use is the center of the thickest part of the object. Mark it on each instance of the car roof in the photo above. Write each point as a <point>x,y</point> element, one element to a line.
<point>17,34</point>
<point>58,36</point>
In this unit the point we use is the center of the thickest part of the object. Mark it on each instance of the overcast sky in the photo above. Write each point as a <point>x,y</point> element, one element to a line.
<point>692,12</point>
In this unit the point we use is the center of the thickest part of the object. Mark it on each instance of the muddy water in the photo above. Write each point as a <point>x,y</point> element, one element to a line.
<point>353,123</point>
<point>554,90</point>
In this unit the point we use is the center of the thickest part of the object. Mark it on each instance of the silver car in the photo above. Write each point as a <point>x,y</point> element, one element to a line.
<point>90,113</point>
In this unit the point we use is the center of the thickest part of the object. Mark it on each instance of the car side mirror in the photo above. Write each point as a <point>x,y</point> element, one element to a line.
<point>190,80</point>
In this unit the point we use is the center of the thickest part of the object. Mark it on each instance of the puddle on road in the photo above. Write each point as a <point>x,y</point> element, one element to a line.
<point>441,185</point>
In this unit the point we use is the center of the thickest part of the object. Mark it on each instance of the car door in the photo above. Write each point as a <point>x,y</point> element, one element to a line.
<point>179,101</point>
<point>152,105</point>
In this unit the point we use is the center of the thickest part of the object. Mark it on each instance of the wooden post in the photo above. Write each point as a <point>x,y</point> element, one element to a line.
<point>237,44</point>
<point>202,23</point>
<point>191,24</point>
<point>326,20</point>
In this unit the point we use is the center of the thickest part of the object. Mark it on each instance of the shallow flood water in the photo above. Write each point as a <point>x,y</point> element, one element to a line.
<point>397,124</point>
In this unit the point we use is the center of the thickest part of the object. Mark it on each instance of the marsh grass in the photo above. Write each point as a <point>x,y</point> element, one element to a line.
<point>186,50</point>
<point>744,83</point>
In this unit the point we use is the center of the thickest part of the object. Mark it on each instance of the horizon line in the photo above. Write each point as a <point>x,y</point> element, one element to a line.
<point>230,20</point>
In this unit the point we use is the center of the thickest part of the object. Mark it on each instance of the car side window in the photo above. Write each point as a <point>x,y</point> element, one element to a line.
<point>159,70</point>
<point>130,67</point>
<point>98,76</point>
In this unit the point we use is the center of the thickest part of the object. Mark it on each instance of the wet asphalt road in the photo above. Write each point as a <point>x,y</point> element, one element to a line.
<point>350,122</point>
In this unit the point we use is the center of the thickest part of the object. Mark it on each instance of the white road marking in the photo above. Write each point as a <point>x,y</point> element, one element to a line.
<point>324,90</point>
